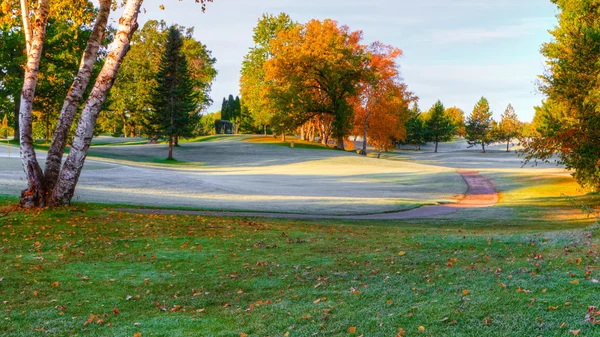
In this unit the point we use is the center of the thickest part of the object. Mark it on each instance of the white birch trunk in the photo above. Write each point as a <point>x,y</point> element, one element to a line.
<point>69,108</point>
<point>69,176</point>
<point>34,195</point>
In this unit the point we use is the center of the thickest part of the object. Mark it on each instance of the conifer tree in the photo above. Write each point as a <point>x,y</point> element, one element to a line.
<point>415,129</point>
<point>175,104</point>
<point>479,125</point>
<point>438,125</point>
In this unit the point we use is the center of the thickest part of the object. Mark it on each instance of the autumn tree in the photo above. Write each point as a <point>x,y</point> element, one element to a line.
<point>438,125</point>
<point>415,128</point>
<point>4,128</point>
<point>479,125</point>
<point>254,86</point>
<point>55,185</point>
<point>175,102</point>
<point>508,128</point>
<point>457,116</point>
<point>569,122</point>
<point>381,103</point>
<point>315,69</point>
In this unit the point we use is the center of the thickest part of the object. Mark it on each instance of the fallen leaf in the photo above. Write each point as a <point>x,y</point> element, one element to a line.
<point>352,329</point>
<point>421,328</point>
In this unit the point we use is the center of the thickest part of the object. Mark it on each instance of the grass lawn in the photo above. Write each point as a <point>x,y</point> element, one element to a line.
<point>92,271</point>
<point>300,144</point>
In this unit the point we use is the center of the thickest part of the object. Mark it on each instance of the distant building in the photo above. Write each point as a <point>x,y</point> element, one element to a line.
<point>224,127</point>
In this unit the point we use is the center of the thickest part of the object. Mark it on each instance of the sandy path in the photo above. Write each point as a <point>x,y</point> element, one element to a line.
<point>481,193</point>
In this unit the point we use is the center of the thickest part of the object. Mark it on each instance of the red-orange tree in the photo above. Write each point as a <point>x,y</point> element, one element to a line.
<point>381,106</point>
<point>314,70</point>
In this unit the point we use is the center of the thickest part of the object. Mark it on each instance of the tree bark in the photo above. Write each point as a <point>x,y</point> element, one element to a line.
<point>303,132</point>
<point>265,129</point>
<point>34,195</point>
<point>436,144</point>
<point>26,25</point>
<point>170,157</point>
<point>365,127</point>
<point>482,147</point>
<point>508,145</point>
<point>69,176</point>
<point>340,143</point>
<point>17,136</point>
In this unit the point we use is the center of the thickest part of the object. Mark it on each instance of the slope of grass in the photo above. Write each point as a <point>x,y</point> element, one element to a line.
<point>300,144</point>
<point>96,272</point>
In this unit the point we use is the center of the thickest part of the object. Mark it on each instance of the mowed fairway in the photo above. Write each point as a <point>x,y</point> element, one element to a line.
<point>232,174</point>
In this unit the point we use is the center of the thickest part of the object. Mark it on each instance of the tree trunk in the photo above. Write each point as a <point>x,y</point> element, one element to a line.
<point>17,136</point>
<point>69,176</point>
<point>303,132</point>
<point>283,136</point>
<point>340,143</point>
<point>176,141</point>
<point>365,127</point>
<point>35,194</point>
<point>482,147</point>
<point>508,145</point>
<point>265,129</point>
<point>436,144</point>
<point>170,148</point>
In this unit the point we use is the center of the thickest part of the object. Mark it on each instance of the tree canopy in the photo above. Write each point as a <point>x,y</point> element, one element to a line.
<point>568,122</point>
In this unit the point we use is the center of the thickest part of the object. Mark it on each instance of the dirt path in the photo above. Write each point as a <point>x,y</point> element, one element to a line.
<point>480,193</point>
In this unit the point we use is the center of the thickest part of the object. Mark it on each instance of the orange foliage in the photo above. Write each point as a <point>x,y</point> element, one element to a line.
<point>381,107</point>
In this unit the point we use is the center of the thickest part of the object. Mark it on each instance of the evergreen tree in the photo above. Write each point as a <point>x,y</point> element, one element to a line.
<point>479,125</point>
<point>415,129</point>
<point>438,125</point>
<point>174,102</point>
<point>237,108</point>
<point>225,109</point>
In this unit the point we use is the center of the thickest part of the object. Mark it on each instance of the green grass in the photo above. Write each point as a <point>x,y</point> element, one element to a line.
<point>124,143</point>
<point>300,144</point>
<point>190,276</point>
<point>140,159</point>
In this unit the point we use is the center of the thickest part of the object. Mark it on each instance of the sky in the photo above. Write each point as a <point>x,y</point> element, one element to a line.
<point>454,50</point>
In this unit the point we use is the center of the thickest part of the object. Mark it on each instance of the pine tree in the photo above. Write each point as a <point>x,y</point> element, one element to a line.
<point>438,125</point>
<point>479,125</point>
<point>174,102</point>
<point>415,130</point>
<point>225,109</point>
<point>237,108</point>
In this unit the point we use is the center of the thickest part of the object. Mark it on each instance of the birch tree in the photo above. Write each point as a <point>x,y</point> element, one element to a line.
<point>56,185</point>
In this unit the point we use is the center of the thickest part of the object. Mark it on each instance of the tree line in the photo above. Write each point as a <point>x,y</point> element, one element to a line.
<point>318,80</point>
<point>479,128</point>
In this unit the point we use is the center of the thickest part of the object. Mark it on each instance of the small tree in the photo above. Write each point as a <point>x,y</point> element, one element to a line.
<point>415,129</point>
<point>438,125</point>
<point>509,127</point>
<point>479,125</point>
<point>174,103</point>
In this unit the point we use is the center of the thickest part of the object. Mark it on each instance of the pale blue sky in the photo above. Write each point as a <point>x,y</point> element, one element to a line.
<point>454,50</point>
